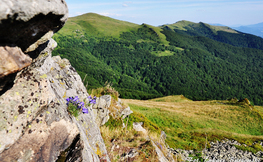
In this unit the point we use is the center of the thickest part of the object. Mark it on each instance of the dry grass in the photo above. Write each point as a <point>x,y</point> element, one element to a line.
<point>186,121</point>
<point>212,110</point>
<point>119,141</point>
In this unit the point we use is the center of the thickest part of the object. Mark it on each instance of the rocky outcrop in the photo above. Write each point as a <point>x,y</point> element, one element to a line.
<point>126,112</point>
<point>22,23</point>
<point>225,150</point>
<point>101,109</point>
<point>24,26</point>
<point>106,106</point>
<point>12,60</point>
<point>34,122</point>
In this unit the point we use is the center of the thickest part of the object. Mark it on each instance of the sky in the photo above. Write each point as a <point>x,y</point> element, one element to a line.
<point>158,12</point>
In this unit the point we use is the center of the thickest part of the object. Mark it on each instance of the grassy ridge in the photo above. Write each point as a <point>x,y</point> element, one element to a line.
<point>97,25</point>
<point>188,123</point>
<point>187,25</point>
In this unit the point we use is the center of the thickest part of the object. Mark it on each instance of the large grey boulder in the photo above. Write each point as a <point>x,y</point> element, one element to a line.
<point>34,122</point>
<point>24,26</point>
<point>24,22</point>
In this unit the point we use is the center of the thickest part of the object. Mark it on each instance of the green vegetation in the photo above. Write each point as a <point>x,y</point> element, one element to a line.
<point>191,124</point>
<point>218,33</point>
<point>73,110</point>
<point>253,148</point>
<point>200,61</point>
<point>96,25</point>
<point>74,106</point>
<point>197,28</point>
<point>134,117</point>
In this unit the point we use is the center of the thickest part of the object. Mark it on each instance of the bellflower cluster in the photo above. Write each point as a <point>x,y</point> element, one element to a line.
<point>74,105</point>
<point>92,100</point>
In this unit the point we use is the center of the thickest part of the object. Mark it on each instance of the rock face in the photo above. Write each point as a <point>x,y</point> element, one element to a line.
<point>106,106</point>
<point>34,122</point>
<point>12,60</point>
<point>101,109</point>
<point>24,22</point>
<point>25,25</point>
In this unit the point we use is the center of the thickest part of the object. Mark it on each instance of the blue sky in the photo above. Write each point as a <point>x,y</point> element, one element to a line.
<point>157,12</point>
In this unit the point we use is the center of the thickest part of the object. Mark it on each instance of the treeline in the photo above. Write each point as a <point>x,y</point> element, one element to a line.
<point>205,69</point>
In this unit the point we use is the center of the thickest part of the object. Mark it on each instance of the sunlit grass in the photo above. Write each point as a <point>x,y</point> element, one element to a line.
<point>163,53</point>
<point>183,25</point>
<point>189,123</point>
<point>97,25</point>
<point>119,140</point>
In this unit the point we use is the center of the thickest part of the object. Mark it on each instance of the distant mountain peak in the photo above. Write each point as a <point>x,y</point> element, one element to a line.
<point>255,29</point>
<point>186,25</point>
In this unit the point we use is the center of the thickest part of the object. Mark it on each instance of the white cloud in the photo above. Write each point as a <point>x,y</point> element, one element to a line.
<point>125,5</point>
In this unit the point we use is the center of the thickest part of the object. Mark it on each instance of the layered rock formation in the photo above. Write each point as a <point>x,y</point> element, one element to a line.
<point>34,122</point>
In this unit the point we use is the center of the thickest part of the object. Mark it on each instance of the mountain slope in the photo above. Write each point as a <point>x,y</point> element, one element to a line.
<point>147,61</point>
<point>96,25</point>
<point>219,33</point>
<point>190,26</point>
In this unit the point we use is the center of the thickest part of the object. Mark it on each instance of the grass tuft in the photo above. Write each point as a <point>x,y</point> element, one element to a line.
<point>106,90</point>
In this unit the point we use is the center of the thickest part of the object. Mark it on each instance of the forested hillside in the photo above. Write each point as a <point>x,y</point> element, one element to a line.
<point>142,61</point>
<point>219,33</point>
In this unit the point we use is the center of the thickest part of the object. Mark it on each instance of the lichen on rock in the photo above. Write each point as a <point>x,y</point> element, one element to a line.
<point>35,109</point>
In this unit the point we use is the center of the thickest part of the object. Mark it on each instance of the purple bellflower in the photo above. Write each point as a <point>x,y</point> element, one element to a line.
<point>80,105</point>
